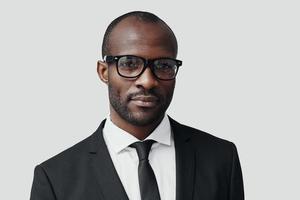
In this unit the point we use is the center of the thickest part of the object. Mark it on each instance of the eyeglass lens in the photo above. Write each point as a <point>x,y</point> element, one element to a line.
<point>131,66</point>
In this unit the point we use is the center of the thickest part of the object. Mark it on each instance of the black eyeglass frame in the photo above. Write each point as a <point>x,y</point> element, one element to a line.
<point>147,63</point>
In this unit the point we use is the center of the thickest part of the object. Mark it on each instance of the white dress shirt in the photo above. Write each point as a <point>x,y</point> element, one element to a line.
<point>125,158</point>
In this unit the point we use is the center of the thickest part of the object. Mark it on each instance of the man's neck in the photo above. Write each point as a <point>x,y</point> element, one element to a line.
<point>140,132</point>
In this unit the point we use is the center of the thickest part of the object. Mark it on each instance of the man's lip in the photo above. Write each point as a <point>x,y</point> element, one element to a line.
<point>145,101</point>
<point>145,98</point>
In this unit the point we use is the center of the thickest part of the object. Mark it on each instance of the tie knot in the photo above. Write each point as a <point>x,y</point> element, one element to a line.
<point>143,148</point>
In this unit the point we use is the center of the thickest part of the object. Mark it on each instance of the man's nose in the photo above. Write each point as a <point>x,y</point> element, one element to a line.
<point>146,80</point>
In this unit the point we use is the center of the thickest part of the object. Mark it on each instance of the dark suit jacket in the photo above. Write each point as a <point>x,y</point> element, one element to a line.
<point>207,168</point>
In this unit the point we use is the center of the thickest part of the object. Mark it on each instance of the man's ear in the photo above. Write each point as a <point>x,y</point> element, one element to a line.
<point>102,70</point>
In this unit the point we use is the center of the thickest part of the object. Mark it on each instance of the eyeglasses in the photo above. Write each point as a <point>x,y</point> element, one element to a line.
<point>130,66</point>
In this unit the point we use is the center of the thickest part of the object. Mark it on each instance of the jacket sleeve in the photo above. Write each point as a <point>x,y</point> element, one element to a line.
<point>236,179</point>
<point>41,186</point>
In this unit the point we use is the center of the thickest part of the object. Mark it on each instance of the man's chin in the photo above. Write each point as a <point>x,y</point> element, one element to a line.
<point>144,119</point>
<point>139,115</point>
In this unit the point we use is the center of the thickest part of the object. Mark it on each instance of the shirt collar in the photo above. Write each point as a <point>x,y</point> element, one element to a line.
<point>120,139</point>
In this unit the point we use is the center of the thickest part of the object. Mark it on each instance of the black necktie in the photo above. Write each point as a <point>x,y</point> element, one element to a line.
<point>148,185</point>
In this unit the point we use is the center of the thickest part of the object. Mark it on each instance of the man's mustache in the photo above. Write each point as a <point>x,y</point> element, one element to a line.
<point>150,93</point>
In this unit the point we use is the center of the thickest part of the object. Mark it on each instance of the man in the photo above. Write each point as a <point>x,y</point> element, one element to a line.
<point>139,152</point>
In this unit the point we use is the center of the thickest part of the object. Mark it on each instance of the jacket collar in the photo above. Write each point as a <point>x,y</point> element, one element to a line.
<point>185,161</point>
<point>110,184</point>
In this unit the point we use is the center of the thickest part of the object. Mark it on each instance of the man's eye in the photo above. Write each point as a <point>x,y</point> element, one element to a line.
<point>132,64</point>
<point>129,64</point>
<point>164,66</point>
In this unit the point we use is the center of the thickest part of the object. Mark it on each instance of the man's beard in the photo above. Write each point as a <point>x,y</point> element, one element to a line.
<point>140,118</point>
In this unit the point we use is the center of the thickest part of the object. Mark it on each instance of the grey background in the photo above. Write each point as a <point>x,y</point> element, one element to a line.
<point>239,81</point>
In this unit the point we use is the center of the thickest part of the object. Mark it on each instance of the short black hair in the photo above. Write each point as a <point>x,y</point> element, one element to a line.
<point>141,16</point>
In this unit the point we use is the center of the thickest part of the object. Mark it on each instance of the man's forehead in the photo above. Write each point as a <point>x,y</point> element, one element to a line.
<point>134,33</point>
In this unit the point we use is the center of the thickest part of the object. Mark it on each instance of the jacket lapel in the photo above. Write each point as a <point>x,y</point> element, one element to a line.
<point>110,184</point>
<point>185,162</point>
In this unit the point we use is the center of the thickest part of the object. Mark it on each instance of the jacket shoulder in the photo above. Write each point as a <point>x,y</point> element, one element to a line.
<point>68,157</point>
<point>201,139</point>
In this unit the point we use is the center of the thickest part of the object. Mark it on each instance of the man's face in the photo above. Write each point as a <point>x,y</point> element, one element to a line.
<point>142,100</point>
